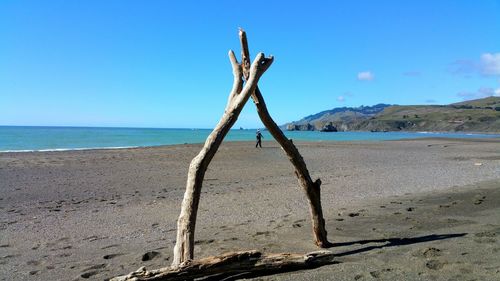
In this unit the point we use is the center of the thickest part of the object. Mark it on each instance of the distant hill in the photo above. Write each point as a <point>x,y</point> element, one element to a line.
<point>481,115</point>
<point>488,103</point>
<point>342,117</point>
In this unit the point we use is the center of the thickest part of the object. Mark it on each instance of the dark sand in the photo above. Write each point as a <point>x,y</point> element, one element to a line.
<point>396,210</point>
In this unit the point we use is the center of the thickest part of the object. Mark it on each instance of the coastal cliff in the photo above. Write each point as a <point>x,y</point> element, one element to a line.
<point>481,115</point>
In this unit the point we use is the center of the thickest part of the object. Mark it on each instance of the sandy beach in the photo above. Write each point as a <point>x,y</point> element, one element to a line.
<point>425,209</point>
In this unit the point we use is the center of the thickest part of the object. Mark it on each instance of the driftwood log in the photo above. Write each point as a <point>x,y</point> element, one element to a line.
<point>231,264</point>
<point>184,247</point>
<point>312,189</point>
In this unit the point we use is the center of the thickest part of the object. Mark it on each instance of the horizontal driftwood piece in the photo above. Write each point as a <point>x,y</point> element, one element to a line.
<point>233,263</point>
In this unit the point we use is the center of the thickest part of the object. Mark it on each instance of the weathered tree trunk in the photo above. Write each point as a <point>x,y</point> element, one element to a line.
<point>184,247</point>
<point>312,189</point>
<point>231,264</point>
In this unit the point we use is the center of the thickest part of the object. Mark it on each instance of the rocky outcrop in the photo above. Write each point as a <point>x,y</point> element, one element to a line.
<point>329,128</point>
<point>300,127</point>
<point>480,115</point>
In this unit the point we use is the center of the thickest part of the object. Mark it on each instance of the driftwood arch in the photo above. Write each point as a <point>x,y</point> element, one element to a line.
<point>250,73</point>
<point>184,267</point>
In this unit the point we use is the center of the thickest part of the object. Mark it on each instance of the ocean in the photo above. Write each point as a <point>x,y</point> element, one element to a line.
<point>24,139</point>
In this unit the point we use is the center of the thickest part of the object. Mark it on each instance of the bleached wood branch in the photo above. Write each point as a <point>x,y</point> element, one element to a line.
<point>184,247</point>
<point>312,189</point>
<point>232,264</point>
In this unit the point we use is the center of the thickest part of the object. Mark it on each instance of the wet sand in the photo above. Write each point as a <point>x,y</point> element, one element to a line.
<point>396,210</point>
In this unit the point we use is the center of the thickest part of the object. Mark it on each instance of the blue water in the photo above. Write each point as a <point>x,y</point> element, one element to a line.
<point>68,138</point>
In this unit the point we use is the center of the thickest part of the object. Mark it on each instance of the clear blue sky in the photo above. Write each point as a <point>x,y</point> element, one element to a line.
<point>164,63</point>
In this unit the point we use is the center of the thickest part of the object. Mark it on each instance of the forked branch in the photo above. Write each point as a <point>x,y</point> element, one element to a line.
<point>184,247</point>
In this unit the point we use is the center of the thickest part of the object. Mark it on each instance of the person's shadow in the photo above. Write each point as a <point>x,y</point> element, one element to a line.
<point>331,258</point>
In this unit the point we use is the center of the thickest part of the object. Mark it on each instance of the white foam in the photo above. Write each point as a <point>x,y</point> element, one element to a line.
<point>429,133</point>
<point>66,149</point>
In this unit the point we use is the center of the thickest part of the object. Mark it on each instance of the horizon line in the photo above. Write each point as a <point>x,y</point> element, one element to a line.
<point>124,127</point>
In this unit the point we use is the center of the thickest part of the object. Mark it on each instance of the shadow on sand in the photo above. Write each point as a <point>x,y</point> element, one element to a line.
<point>392,242</point>
<point>385,243</point>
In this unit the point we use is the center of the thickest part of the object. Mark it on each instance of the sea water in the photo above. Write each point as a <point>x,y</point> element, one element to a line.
<point>19,139</point>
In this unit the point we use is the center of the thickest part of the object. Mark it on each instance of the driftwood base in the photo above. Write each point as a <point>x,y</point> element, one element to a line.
<point>233,263</point>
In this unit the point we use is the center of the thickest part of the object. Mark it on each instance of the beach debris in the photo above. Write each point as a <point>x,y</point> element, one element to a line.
<point>478,164</point>
<point>243,263</point>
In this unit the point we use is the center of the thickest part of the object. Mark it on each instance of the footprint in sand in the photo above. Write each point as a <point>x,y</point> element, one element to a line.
<point>204,242</point>
<point>396,202</point>
<point>111,256</point>
<point>486,234</point>
<point>435,264</point>
<point>379,273</point>
<point>3,260</point>
<point>149,255</point>
<point>430,252</point>
<point>89,274</point>
<point>265,233</point>
<point>482,240</point>
<point>92,270</point>
<point>478,199</point>
<point>32,262</point>
<point>298,223</point>
<point>110,246</point>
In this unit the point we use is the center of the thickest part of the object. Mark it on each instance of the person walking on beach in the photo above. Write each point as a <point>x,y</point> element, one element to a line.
<point>259,137</point>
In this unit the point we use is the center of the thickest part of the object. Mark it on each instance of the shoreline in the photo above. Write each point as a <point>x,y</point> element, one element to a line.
<point>94,214</point>
<point>485,138</point>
